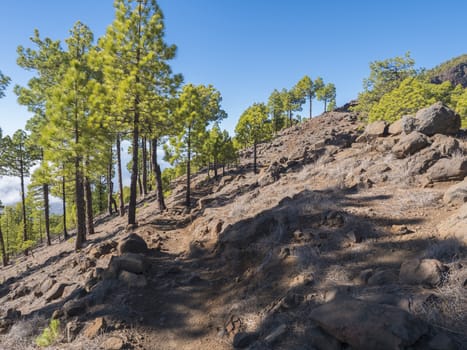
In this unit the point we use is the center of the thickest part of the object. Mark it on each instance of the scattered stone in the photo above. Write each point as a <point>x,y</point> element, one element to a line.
<point>243,339</point>
<point>276,334</point>
<point>113,343</point>
<point>364,276</point>
<point>132,244</point>
<point>382,277</point>
<point>56,292</point>
<point>44,287</point>
<point>445,145</point>
<point>57,314</point>
<point>427,272</point>
<point>102,249</point>
<point>364,325</point>
<point>410,144</point>
<point>94,328</point>
<point>72,330</point>
<point>132,280</point>
<point>400,230</point>
<point>448,169</point>
<point>20,291</point>
<point>13,314</point>
<point>456,194</point>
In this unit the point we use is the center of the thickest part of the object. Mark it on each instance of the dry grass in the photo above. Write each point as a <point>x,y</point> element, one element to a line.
<point>22,334</point>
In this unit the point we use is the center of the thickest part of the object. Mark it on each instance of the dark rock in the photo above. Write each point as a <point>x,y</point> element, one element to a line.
<point>56,292</point>
<point>448,169</point>
<point>427,272</point>
<point>132,244</point>
<point>13,314</point>
<point>369,326</point>
<point>383,277</point>
<point>132,280</point>
<point>410,144</point>
<point>130,262</point>
<point>74,308</point>
<point>243,339</point>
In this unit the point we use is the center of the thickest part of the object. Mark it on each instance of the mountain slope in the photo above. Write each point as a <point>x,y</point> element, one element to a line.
<point>333,222</point>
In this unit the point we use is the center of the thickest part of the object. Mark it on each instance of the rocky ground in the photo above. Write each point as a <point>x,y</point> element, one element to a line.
<point>351,237</point>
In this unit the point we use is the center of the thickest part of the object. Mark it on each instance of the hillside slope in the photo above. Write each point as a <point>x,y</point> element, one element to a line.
<point>345,240</point>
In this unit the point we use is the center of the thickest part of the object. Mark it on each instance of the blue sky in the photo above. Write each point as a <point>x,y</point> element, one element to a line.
<point>246,48</point>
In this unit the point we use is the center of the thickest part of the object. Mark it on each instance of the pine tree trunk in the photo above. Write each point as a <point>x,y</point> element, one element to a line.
<point>135,141</point>
<point>89,211</point>
<point>120,178</point>
<point>311,115</point>
<point>158,176</point>
<point>45,189</point>
<point>188,171</point>
<point>110,184</point>
<point>23,200</point>
<point>65,232</point>
<point>145,167</point>
<point>100,204</point>
<point>134,168</point>
<point>80,205</point>
<point>254,157</point>
<point>2,246</point>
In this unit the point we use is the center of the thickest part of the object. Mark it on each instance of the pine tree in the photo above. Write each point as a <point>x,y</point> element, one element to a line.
<point>254,127</point>
<point>21,156</point>
<point>276,110</point>
<point>4,81</point>
<point>198,106</point>
<point>135,57</point>
<point>327,94</point>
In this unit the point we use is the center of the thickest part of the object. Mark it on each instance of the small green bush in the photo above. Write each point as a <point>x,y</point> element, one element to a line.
<point>49,335</point>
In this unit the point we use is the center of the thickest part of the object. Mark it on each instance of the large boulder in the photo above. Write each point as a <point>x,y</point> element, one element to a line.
<point>456,194</point>
<point>368,326</point>
<point>132,244</point>
<point>455,226</point>
<point>374,130</point>
<point>410,144</point>
<point>134,263</point>
<point>396,128</point>
<point>448,169</point>
<point>436,119</point>
<point>426,272</point>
